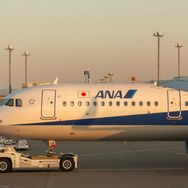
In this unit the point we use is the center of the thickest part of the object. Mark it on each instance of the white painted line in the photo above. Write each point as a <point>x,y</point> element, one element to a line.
<point>180,153</point>
<point>132,151</point>
<point>137,169</point>
<point>140,150</point>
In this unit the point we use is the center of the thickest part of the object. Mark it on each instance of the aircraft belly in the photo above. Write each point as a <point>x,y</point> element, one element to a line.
<point>98,132</point>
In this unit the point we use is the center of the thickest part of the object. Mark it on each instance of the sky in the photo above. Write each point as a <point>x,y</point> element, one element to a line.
<point>66,37</point>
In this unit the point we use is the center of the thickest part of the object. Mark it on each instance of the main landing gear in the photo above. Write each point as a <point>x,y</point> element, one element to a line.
<point>68,161</point>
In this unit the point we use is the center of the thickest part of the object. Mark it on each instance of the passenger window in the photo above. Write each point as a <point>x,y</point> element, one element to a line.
<point>110,103</point>
<point>102,103</point>
<point>87,103</point>
<point>79,103</point>
<point>10,102</point>
<point>133,103</point>
<point>64,103</point>
<point>148,103</point>
<point>72,103</point>
<point>18,103</point>
<point>141,103</point>
<point>95,103</point>
<point>117,103</point>
<point>186,103</point>
<point>125,103</point>
<point>156,103</point>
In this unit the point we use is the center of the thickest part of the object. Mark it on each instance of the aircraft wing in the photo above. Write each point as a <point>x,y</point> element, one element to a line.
<point>176,83</point>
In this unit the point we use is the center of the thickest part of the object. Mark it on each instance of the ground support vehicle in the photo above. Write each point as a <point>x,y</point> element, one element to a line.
<point>17,144</point>
<point>12,160</point>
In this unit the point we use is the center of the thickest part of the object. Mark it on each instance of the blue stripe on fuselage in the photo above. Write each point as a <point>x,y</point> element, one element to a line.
<point>143,119</point>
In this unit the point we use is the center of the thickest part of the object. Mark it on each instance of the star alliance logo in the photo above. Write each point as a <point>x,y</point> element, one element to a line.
<point>31,101</point>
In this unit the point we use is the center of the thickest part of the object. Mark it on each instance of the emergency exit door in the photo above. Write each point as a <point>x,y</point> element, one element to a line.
<point>174,103</point>
<point>48,109</point>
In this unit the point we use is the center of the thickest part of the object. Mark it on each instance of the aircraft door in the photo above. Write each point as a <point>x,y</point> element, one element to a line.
<point>174,103</point>
<point>48,108</point>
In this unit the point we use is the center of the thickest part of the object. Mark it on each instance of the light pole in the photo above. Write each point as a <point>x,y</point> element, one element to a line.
<point>110,75</point>
<point>86,73</point>
<point>10,49</point>
<point>87,77</point>
<point>179,69</point>
<point>159,35</point>
<point>102,80</point>
<point>26,54</point>
<point>106,77</point>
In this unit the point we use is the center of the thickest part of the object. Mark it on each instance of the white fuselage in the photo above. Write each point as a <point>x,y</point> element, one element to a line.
<point>96,112</point>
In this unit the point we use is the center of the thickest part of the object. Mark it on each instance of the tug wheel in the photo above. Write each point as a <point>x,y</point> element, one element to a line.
<point>5,165</point>
<point>67,164</point>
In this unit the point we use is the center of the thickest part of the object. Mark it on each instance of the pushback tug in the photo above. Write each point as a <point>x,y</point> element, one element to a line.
<point>12,160</point>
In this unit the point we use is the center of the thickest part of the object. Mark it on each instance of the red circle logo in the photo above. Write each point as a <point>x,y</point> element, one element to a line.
<point>83,94</point>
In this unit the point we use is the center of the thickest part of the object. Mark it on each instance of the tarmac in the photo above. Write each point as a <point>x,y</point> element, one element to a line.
<point>108,164</point>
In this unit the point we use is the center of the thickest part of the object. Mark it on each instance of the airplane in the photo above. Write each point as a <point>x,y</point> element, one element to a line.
<point>97,112</point>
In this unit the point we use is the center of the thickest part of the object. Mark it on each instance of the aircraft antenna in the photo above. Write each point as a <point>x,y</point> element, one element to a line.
<point>55,81</point>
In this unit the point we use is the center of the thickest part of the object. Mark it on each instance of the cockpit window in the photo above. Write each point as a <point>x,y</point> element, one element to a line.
<point>3,102</point>
<point>10,102</point>
<point>18,102</point>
